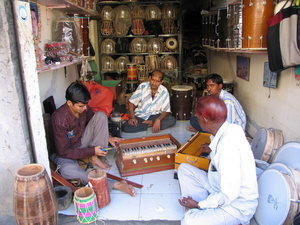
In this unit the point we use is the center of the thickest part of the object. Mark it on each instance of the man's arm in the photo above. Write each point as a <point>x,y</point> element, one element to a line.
<point>132,120</point>
<point>156,124</point>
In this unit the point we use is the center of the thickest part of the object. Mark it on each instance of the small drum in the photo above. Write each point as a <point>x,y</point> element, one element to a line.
<point>168,26</point>
<point>169,11</point>
<point>196,79</point>
<point>108,46</point>
<point>152,12</point>
<point>143,72</point>
<point>262,144</point>
<point>138,59</point>
<point>289,154</point>
<point>107,27</point>
<point>108,63</point>
<point>131,86</point>
<point>168,63</point>
<point>137,12</point>
<point>228,86</point>
<point>137,27</point>
<point>138,45</point>
<point>152,62</point>
<point>171,44</point>
<point>277,198</point>
<point>106,13</point>
<point>98,180</point>
<point>256,13</point>
<point>155,45</point>
<point>181,101</point>
<point>85,203</point>
<point>234,25</point>
<point>131,72</point>
<point>121,63</point>
<point>278,141</point>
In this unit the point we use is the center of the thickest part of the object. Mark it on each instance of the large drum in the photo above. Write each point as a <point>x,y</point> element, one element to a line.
<point>234,25</point>
<point>255,28</point>
<point>277,202</point>
<point>221,28</point>
<point>181,101</point>
<point>262,144</point>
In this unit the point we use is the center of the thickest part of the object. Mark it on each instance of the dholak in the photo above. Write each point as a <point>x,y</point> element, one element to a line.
<point>35,201</point>
<point>278,141</point>
<point>277,198</point>
<point>181,101</point>
<point>221,28</point>
<point>262,144</point>
<point>234,25</point>
<point>289,154</point>
<point>255,28</point>
<point>131,72</point>
<point>98,179</point>
<point>85,203</point>
<point>131,86</point>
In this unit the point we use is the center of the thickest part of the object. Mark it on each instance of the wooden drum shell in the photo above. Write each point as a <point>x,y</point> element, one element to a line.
<point>181,101</point>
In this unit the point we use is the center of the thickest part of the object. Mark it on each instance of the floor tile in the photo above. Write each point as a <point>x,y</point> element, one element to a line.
<point>161,207</point>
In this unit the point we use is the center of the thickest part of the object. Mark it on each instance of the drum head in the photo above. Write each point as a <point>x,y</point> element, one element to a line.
<point>289,154</point>
<point>274,203</point>
<point>181,88</point>
<point>281,167</point>
<point>262,144</point>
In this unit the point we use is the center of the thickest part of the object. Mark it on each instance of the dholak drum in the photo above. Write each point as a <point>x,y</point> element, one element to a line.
<point>262,144</point>
<point>181,101</point>
<point>234,25</point>
<point>85,203</point>
<point>131,72</point>
<point>228,85</point>
<point>289,154</point>
<point>278,141</point>
<point>221,28</point>
<point>98,180</point>
<point>255,28</point>
<point>277,202</point>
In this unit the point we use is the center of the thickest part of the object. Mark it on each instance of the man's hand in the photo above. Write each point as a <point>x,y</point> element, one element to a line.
<point>205,148</point>
<point>99,152</point>
<point>114,141</point>
<point>188,202</point>
<point>133,122</point>
<point>156,126</point>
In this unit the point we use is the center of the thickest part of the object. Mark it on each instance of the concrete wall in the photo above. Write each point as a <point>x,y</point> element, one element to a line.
<point>265,107</point>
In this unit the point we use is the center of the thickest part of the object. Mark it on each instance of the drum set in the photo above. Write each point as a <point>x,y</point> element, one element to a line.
<point>278,178</point>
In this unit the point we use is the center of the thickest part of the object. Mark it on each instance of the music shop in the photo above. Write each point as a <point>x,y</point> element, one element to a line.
<point>146,65</point>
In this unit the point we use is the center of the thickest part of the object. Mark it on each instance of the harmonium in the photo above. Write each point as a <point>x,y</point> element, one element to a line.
<point>191,152</point>
<point>146,154</point>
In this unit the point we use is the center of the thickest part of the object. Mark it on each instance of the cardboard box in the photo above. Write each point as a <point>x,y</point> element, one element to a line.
<point>191,153</point>
<point>114,85</point>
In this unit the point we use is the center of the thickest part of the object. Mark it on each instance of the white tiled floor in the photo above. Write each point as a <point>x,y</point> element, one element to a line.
<point>158,199</point>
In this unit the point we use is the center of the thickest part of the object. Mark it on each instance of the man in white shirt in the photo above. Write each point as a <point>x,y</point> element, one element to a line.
<point>227,193</point>
<point>149,106</point>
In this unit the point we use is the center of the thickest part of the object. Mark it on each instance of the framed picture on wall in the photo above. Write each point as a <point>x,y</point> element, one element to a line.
<point>243,67</point>
<point>270,78</point>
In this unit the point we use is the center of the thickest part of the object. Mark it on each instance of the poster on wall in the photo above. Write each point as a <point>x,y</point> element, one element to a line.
<point>243,67</point>
<point>270,78</point>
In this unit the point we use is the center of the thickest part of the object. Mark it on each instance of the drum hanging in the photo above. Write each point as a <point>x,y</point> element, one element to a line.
<point>262,144</point>
<point>277,198</point>
<point>181,101</point>
<point>256,13</point>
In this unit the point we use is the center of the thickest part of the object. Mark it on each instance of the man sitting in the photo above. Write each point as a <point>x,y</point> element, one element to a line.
<point>149,106</point>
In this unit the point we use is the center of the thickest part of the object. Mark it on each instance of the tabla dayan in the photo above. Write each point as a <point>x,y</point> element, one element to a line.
<point>181,101</point>
<point>277,198</point>
<point>262,144</point>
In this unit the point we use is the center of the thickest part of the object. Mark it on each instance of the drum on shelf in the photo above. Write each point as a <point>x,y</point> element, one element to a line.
<point>85,203</point>
<point>143,72</point>
<point>152,62</point>
<point>278,141</point>
<point>262,144</point>
<point>181,101</point>
<point>98,180</point>
<point>106,13</point>
<point>234,25</point>
<point>171,44</point>
<point>107,27</point>
<point>131,72</point>
<point>228,85</point>
<point>256,13</point>
<point>131,86</point>
<point>138,59</point>
<point>221,28</point>
<point>277,198</point>
<point>138,45</point>
<point>168,26</point>
<point>212,38</point>
<point>196,79</point>
<point>289,154</point>
<point>138,27</point>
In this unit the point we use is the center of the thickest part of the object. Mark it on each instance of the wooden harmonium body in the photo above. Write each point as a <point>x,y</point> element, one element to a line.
<point>191,152</point>
<point>146,155</point>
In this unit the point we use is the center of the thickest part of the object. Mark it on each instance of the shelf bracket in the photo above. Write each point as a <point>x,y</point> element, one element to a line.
<point>49,9</point>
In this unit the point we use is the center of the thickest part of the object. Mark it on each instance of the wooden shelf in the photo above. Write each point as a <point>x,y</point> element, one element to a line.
<point>61,65</point>
<point>239,50</point>
<point>70,7</point>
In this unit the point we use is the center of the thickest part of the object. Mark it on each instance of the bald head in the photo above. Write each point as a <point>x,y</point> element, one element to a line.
<point>212,108</point>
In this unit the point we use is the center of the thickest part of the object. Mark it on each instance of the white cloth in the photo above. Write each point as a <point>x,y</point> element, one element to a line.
<point>230,186</point>
<point>146,105</point>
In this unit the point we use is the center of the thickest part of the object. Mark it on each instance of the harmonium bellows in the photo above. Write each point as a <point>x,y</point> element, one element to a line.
<point>146,154</point>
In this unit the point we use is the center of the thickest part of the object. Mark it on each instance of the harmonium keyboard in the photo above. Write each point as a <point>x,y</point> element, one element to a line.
<point>146,154</point>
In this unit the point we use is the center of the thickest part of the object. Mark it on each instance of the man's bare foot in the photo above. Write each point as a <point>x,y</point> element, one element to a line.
<point>149,122</point>
<point>125,187</point>
<point>97,162</point>
<point>192,129</point>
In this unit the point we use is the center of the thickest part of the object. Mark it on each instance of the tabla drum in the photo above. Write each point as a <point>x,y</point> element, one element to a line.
<point>196,79</point>
<point>228,85</point>
<point>138,45</point>
<point>234,25</point>
<point>278,141</point>
<point>107,27</point>
<point>152,62</point>
<point>143,72</point>
<point>289,154</point>
<point>171,44</point>
<point>256,13</point>
<point>277,198</point>
<point>138,27</point>
<point>138,59</point>
<point>181,101</point>
<point>168,26</point>
<point>155,45</point>
<point>262,144</point>
<point>294,174</point>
